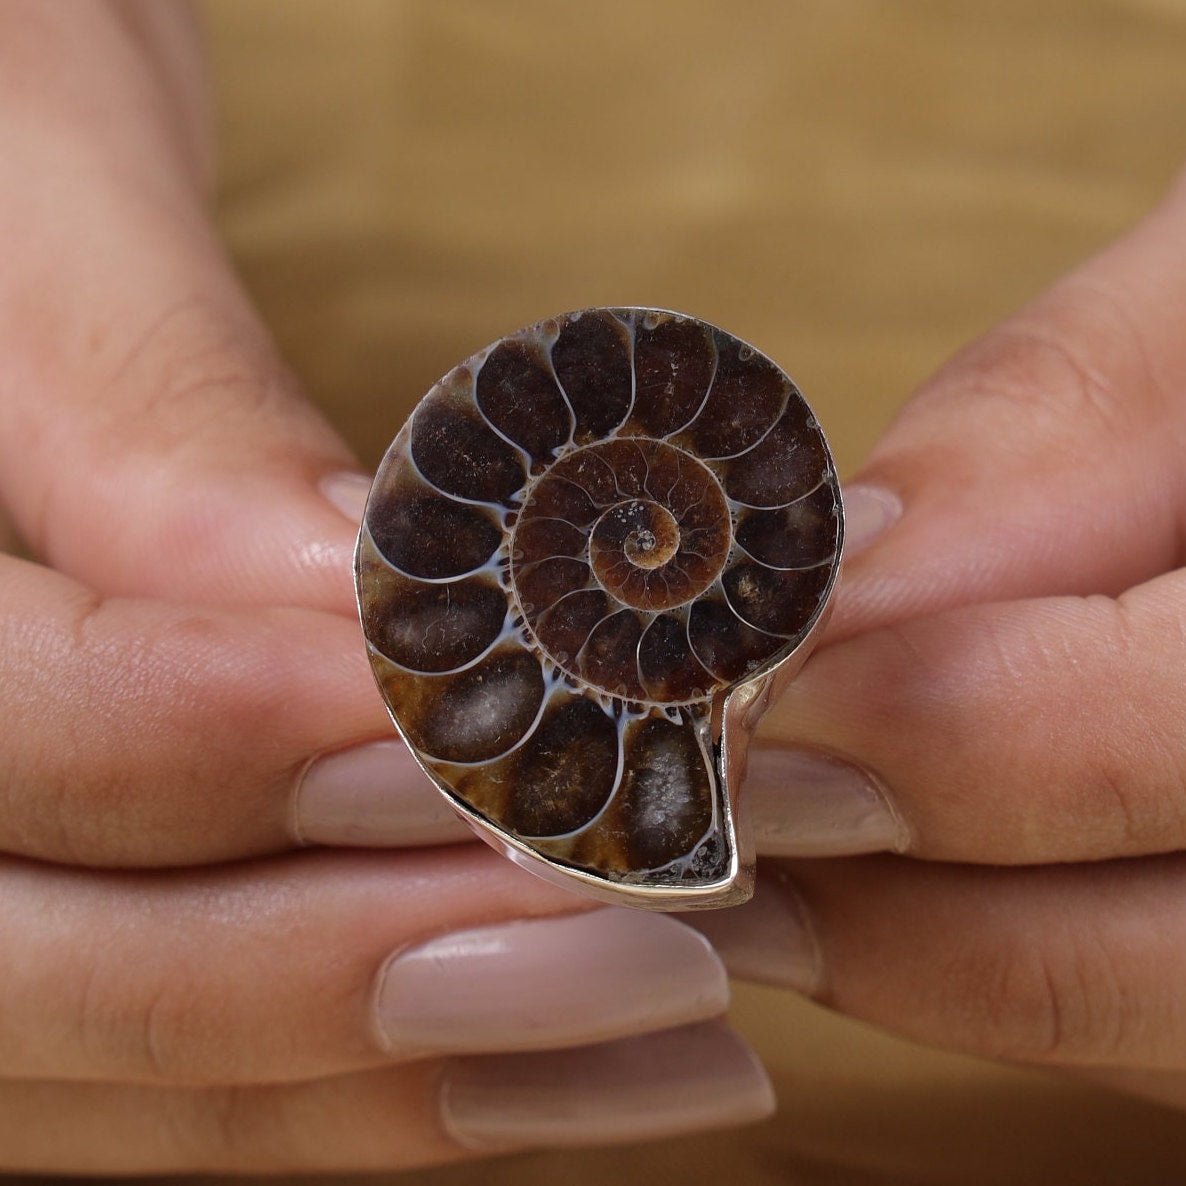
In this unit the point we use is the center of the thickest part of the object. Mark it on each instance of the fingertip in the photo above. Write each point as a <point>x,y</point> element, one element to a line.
<point>770,939</point>
<point>372,795</point>
<point>663,1085</point>
<point>256,539</point>
<point>547,983</point>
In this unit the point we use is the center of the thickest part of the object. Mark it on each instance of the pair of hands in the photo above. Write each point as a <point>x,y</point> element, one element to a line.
<point>187,706</point>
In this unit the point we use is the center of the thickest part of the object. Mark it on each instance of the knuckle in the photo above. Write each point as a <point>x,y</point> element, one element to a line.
<point>195,675</point>
<point>141,1036</point>
<point>197,380</point>
<point>249,1127</point>
<point>1088,753</point>
<point>1124,821</point>
<point>1126,787</point>
<point>152,735</point>
<point>54,804</point>
<point>229,1132</point>
<point>1123,805</point>
<point>184,689</point>
<point>1060,1002</point>
<point>1075,358</point>
<point>1048,370</point>
<point>193,371</point>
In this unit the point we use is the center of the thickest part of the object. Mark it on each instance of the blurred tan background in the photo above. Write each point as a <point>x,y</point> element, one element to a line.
<point>857,188</point>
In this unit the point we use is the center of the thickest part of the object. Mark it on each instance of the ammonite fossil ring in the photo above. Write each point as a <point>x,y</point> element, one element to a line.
<point>583,555</point>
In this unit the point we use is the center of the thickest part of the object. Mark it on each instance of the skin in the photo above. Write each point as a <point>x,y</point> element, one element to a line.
<point>1007,659</point>
<point>1015,684</point>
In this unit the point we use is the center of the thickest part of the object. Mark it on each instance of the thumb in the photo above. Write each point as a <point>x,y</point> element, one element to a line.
<point>1045,458</point>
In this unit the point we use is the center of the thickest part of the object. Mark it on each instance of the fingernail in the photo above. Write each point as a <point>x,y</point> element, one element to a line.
<point>869,511</point>
<point>806,804</point>
<point>769,939</point>
<point>679,1081</point>
<point>543,983</point>
<point>373,795</point>
<point>347,492</point>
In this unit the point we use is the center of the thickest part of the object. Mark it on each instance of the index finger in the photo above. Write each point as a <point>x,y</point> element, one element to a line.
<point>152,443</point>
<point>150,733</point>
<point>1045,459</point>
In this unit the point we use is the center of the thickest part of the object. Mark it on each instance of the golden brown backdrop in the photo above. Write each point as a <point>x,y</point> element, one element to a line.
<point>856,187</point>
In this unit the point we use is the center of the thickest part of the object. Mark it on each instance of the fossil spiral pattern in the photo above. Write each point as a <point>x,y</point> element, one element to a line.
<point>584,537</point>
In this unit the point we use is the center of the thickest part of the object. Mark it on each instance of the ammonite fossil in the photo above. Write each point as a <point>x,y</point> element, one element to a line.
<point>580,558</point>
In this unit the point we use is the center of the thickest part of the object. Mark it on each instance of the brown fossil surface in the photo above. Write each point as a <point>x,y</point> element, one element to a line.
<point>585,537</point>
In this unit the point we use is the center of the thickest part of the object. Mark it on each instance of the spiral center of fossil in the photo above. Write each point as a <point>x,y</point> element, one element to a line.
<point>611,533</point>
<point>643,531</point>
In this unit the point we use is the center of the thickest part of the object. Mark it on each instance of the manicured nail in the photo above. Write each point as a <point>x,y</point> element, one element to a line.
<point>679,1081</point>
<point>543,983</point>
<point>347,491</point>
<point>869,511</point>
<point>806,804</point>
<point>373,795</point>
<point>770,938</point>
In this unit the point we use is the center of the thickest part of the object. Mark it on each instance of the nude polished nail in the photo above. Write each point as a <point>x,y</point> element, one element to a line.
<point>807,804</point>
<point>372,795</point>
<point>770,939</point>
<point>543,983</point>
<point>347,492</point>
<point>869,512</point>
<point>663,1085</point>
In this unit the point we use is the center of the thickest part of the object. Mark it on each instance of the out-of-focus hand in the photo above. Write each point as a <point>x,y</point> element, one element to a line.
<point>185,707</point>
<point>1002,701</point>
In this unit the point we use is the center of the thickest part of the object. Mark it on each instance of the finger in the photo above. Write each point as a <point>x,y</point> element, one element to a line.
<point>151,441</point>
<point>1062,966</point>
<point>154,733</point>
<point>663,1085</point>
<point>1026,732</point>
<point>1044,459</point>
<point>382,1119</point>
<point>185,465</point>
<point>323,964</point>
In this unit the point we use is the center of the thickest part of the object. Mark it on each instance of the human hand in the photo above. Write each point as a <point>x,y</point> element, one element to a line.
<point>186,703</point>
<point>1001,702</point>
